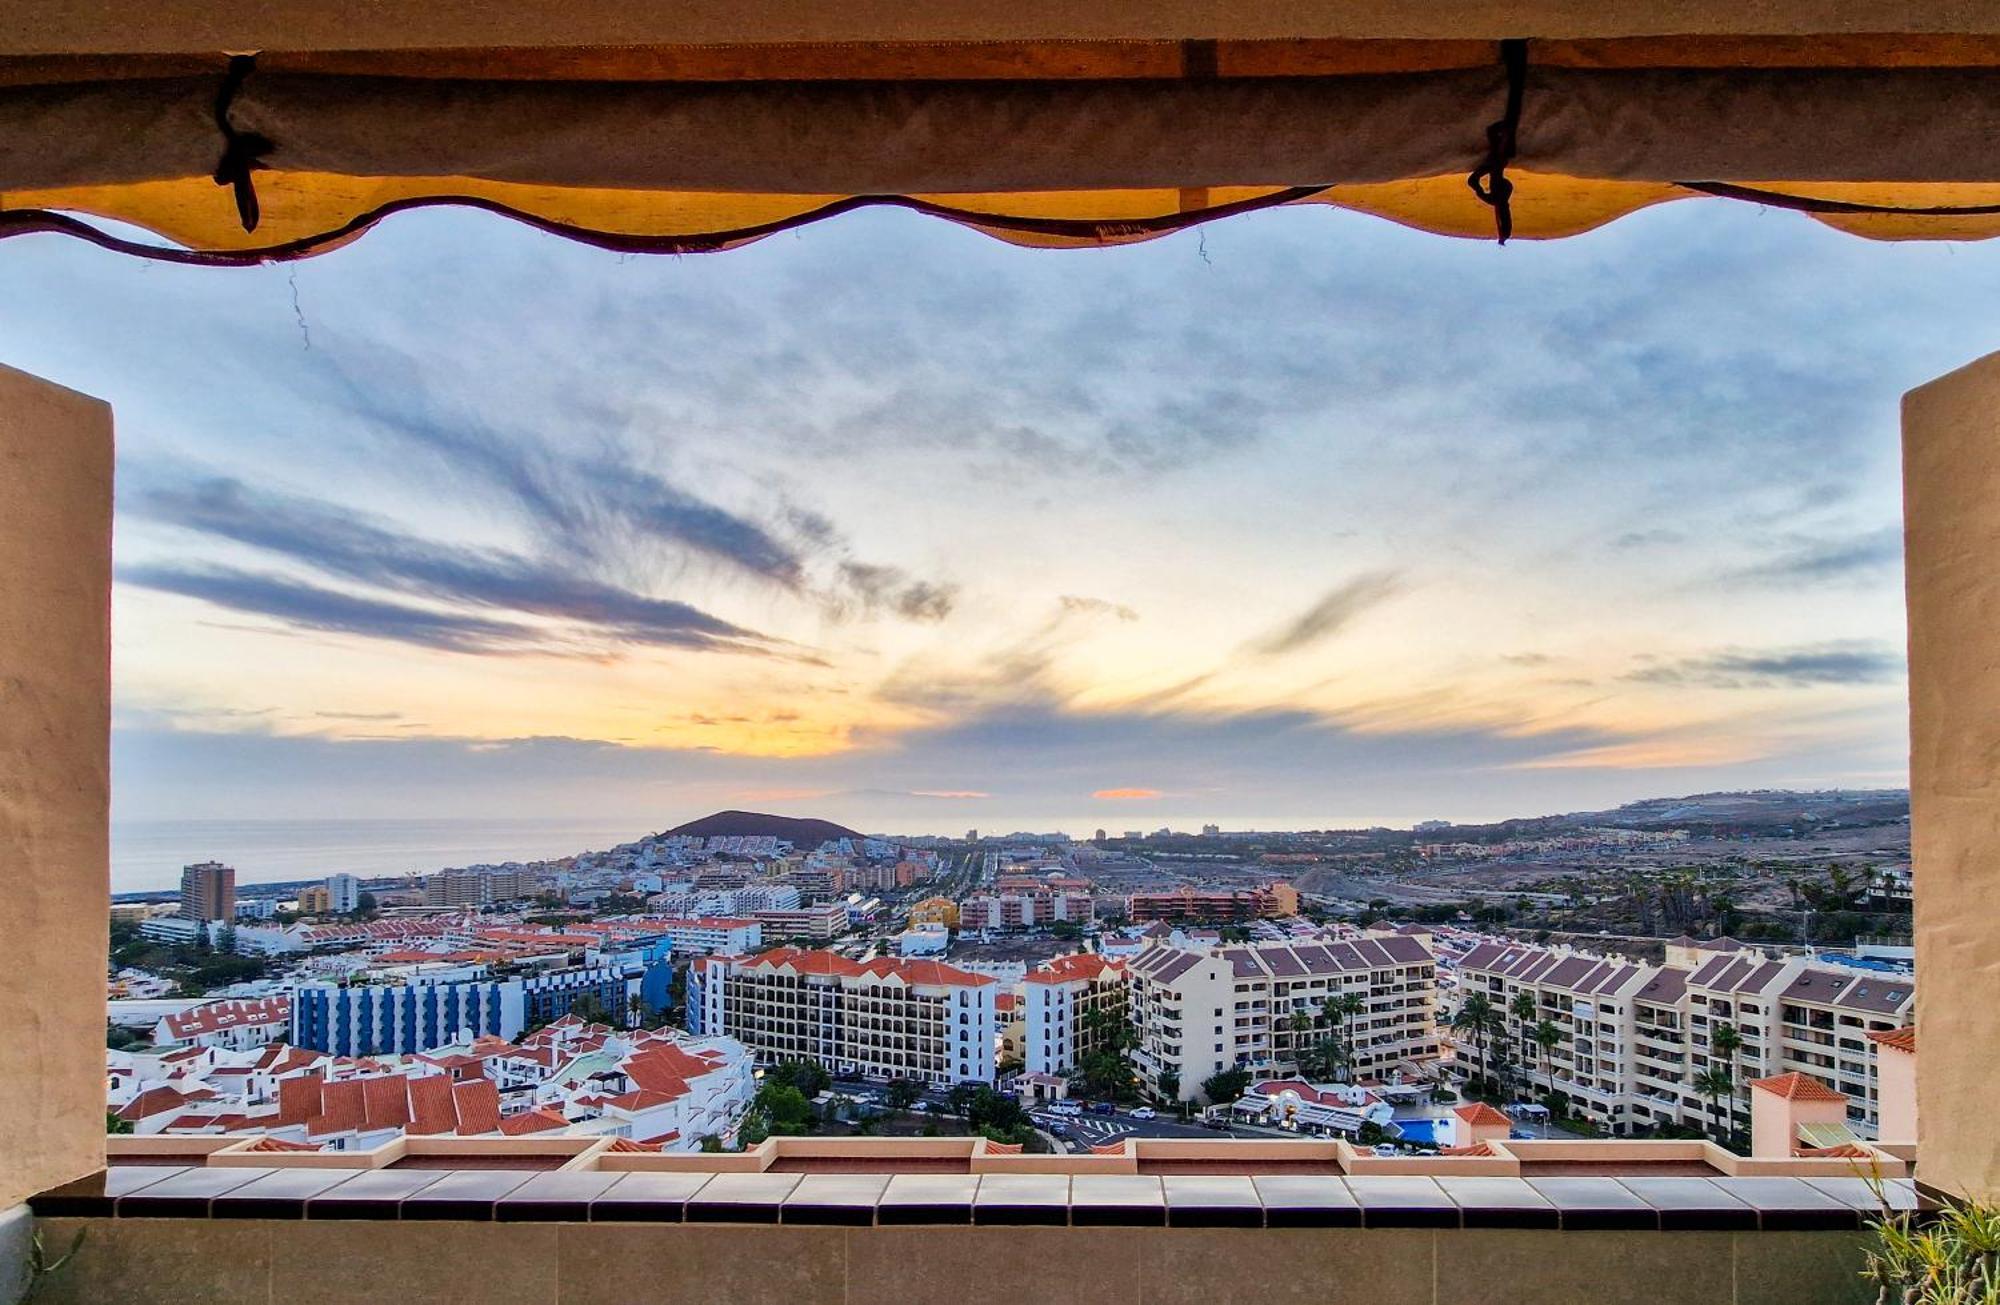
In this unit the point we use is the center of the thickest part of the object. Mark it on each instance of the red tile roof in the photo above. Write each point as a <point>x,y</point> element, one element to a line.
<point>1481,1115</point>
<point>1069,969</point>
<point>625,1145</point>
<point>1903,1039</point>
<point>1798,1087</point>
<point>1004,1148</point>
<point>159,1100</point>
<point>1845,1151</point>
<point>1476,1149</point>
<point>344,1108</point>
<point>478,1103</point>
<point>279,1144</point>
<point>539,1120</point>
<point>216,1016</point>
<point>431,1106</point>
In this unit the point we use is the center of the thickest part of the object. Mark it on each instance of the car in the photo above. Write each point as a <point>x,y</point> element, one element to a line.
<point>1145,1112</point>
<point>921,1107</point>
<point>1102,1108</point>
<point>1385,1149</point>
<point>1066,1108</point>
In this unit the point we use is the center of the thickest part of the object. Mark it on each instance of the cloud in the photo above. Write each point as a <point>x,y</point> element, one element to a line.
<point>1077,603</point>
<point>1801,667</point>
<point>339,542</point>
<point>1818,561</point>
<point>1332,613</point>
<point>879,588</point>
<point>1127,794</point>
<point>313,608</point>
<point>948,793</point>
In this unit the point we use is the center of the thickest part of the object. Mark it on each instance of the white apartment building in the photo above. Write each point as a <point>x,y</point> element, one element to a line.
<point>1067,1001</point>
<point>1636,1036</point>
<point>343,893</point>
<point>706,935</point>
<point>886,1018</point>
<point>819,923</point>
<point>1198,1012</point>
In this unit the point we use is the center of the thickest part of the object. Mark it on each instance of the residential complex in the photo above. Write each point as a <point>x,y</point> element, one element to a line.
<point>1214,905</point>
<point>706,935</point>
<point>475,887</point>
<point>1071,1005</point>
<point>817,923</point>
<point>1635,1037</point>
<point>369,1019</point>
<point>1199,1011</point>
<point>208,891</point>
<point>886,1017</point>
<point>1022,909</point>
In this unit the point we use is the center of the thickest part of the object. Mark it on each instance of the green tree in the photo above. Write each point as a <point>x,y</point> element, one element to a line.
<point>1546,1037</point>
<point>1727,1041</point>
<point>807,1075</point>
<point>113,1124</point>
<point>1169,1084</point>
<point>1475,1018</point>
<point>1714,1083</point>
<point>1341,1010</point>
<point>784,1108</point>
<point>903,1093</point>
<point>1223,1088</point>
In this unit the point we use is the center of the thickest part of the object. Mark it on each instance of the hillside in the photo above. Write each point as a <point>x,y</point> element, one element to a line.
<point>797,831</point>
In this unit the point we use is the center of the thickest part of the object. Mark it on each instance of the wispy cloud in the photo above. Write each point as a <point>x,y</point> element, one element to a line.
<point>343,543</point>
<point>1811,561</point>
<point>311,607</point>
<point>1801,667</point>
<point>1332,613</point>
<point>1127,794</point>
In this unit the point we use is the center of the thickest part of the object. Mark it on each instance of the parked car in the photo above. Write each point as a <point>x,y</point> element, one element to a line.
<point>1102,1108</point>
<point>1145,1112</point>
<point>1385,1149</point>
<point>921,1107</point>
<point>1066,1108</point>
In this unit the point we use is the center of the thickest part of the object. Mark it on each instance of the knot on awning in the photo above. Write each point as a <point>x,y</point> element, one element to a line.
<point>1489,180</point>
<point>242,151</point>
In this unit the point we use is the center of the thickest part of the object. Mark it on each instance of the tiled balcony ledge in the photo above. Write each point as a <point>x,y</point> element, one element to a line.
<point>1596,1204</point>
<point>812,1221</point>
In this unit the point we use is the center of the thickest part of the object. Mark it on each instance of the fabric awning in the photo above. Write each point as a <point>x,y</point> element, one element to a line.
<point>687,148</point>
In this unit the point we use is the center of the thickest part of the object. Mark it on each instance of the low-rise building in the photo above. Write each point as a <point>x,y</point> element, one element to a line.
<point>237,1025</point>
<point>1199,905</point>
<point>817,923</point>
<point>420,1015</point>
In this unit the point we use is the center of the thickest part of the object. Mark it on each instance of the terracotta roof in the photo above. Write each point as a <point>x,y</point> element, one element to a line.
<point>299,1098</point>
<point>625,1145</point>
<point>431,1106</point>
<point>279,1144</point>
<point>1798,1087</point>
<point>540,1120</point>
<point>1005,1148</point>
<point>1903,1039</point>
<point>1477,1148</point>
<point>219,1015</point>
<point>478,1103</point>
<point>1845,1151</point>
<point>1107,1148</point>
<point>343,1108</point>
<point>1481,1115</point>
<point>1069,969</point>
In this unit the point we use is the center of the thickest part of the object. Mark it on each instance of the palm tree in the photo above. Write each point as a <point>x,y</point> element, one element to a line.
<point>1476,1018</point>
<point>1300,1024</point>
<point>1545,1036</point>
<point>1522,1008</point>
<point>1341,1010</point>
<point>1727,1041</point>
<point>1714,1083</point>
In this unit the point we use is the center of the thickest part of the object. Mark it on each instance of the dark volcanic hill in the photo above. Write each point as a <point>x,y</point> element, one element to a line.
<point>755,824</point>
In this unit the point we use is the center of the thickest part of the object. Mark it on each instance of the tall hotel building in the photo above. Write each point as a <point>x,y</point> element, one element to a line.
<point>886,1017</point>
<point>372,1019</point>
<point>208,891</point>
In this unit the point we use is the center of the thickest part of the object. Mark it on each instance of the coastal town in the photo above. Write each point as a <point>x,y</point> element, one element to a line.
<point>745,975</point>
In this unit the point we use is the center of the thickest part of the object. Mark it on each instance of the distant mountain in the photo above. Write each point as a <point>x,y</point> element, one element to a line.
<point>755,824</point>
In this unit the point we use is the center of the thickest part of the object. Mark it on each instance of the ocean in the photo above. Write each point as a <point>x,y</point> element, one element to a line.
<point>148,855</point>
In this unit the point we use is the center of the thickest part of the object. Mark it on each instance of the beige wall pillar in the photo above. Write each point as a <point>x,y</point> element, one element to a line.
<point>55,723</point>
<point>1895,1087</point>
<point>1951,512</point>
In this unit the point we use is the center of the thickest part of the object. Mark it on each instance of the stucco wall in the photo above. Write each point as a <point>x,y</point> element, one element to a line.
<point>55,720</point>
<point>1951,509</point>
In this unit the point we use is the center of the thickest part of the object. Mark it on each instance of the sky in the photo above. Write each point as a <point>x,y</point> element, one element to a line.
<point>1304,520</point>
